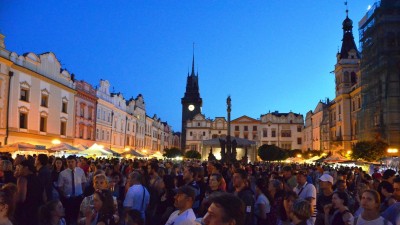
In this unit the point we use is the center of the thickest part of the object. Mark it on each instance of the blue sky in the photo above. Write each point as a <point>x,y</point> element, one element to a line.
<point>268,55</point>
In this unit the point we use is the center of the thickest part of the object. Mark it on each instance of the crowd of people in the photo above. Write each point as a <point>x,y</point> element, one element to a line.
<point>45,190</point>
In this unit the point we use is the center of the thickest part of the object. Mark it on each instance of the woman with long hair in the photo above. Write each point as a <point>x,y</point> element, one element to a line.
<point>276,193</point>
<point>103,205</point>
<point>52,213</point>
<point>341,215</point>
<point>57,167</point>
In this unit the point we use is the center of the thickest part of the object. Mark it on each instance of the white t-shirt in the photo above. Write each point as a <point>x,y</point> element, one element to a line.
<point>263,200</point>
<point>185,218</point>
<point>379,221</point>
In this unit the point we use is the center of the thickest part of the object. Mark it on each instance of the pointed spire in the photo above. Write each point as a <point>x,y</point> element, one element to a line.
<point>193,61</point>
<point>348,38</point>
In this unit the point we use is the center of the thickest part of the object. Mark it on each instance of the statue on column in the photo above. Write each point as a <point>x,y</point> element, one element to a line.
<point>211,156</point>
<point>222,143</point>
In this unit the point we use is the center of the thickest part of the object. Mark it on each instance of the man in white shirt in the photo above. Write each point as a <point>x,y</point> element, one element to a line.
<point>307,192</point>
<point>71,183</point>
<point>137,197</point>
<point>183,202</point>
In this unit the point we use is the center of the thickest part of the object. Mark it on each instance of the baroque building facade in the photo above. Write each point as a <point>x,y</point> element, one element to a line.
<point>41,102</point>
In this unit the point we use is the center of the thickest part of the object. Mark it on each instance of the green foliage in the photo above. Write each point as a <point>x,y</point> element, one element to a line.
<point>271,153</point>
<point>369,150</point>
<point>293,153</point>
<point>192,154</point>
<point>172,152</point>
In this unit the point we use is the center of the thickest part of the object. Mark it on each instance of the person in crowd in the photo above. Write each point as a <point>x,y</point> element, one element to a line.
<point>396,189</point>
<point>216,168</point>
<point>288,201</point>
<point>370,202</point>
<point>189,174</point>
<point>103,209</point>
<point>5,208</point>
<point>214,186</point>
<point>262,205</point>
<point>342,214</point>
<point>289,178</point>
<point>201,183</point>
<point>58,166</point>
<point>184,200</point>
<point>392,213</point>
<point>29,194</point>
<point>243,191</point>
<point>166,206</point>
<point>324,197</point>
<point>52,213</point>
<point>357,198</point>
<point>276,193</point>
<point>300,212</point>
<point>71,184</point>
<point>386,192</point>
<point>100,182</point>
<point>387,181</point>
<point>137,197</point>
<point>154,188</point>
<point>225,209</point>
<point>306,191</point>
<point>44,175</point>
<point>342,187</point>
<point>11,191</point>
<point>6,168</point>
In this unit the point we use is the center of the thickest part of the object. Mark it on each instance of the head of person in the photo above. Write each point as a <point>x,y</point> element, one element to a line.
<point>301,210</point>
<point>11,192</point>
<point>275,185</point>
<point>134,178</point>
<point>93,166</point>
<point>116,178</point>
<point>301,177</point>
<point>325,181</point>
<point>288,200</point>
<point>26,167</point>
<point>287,172</point>
<point>103,202</point>
<point>100,182</point>
<point>169,182</point>
<point>389,175</point>
<point>152,168</point>
<point>341,185</point>
<point>225,209</point>
<point>215,181</point>
<point>6,165</point>
<point>361,188</point>
<point>133,217</point>
<point>184,197</point>
<point>58,164</point>
<point>210,167</point>
<point>41,160</point>
<point>239,178</point>
<point>261,186</point>
<point>396,188</point>
<point>385,189</point>
<point>53,209</point>
<point>71,162</point>
<point>340,199</point>
<point>189,173</point>
<point>370,200</point>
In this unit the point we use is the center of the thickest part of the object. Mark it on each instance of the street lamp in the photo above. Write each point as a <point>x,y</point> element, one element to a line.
<point>298,155</point>
<point>392,150</point>
<point>56,142</point>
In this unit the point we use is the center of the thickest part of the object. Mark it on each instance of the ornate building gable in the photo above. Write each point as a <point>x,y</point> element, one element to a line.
<point>245,119</point>
<point>140,102</point>
<point>103,91</point>
<point>118,101</point>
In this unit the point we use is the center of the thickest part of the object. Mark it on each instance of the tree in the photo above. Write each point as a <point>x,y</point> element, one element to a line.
<point>192,154</point>
<point>369,150</point>
<point>271,153</point>
<point>172,152</point>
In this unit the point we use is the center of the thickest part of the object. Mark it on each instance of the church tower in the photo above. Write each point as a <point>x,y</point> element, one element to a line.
<point>346,90</point>
<point>191,102</point>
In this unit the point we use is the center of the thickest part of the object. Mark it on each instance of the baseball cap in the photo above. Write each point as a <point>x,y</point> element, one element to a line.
<point>326,177</point>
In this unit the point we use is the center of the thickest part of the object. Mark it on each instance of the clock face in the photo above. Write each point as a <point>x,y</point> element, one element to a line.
<point>191,107</point>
